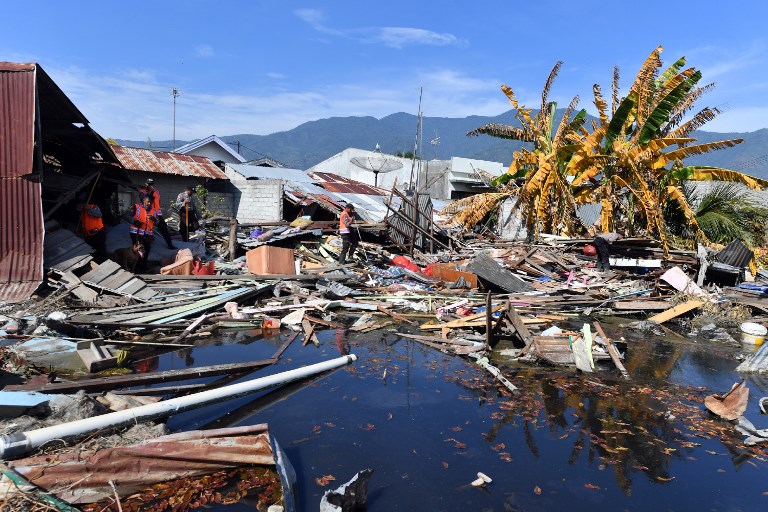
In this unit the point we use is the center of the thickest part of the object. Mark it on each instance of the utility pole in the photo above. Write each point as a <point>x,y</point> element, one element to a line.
<point>238,147</point>
<point>175,93</point>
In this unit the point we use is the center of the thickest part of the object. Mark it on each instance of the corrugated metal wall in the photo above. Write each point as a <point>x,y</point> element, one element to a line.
<point>21,211</point>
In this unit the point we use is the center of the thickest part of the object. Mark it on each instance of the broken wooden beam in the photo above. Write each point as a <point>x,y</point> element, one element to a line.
<point>676,311</point>
<point>612,351</point>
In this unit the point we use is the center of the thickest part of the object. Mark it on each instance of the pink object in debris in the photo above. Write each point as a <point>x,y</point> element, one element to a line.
<point>231,308</point>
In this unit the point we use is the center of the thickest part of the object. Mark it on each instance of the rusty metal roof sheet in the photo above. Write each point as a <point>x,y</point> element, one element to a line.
<point>21,238</point>
<point>17,115</point>
<point>21,211</point>
<point>139,159</point>
<point>336,183</point>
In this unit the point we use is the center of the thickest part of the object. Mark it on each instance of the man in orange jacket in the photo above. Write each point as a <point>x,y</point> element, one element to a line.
<point>157,210</point>
<point>93,229</point>
<point>142,224</point>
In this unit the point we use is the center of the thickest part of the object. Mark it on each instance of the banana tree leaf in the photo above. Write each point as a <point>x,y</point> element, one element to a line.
<point>663,159</point>
<point>671,71</point>
<point>704,173</point>
<point>661,113</point>
<point>578,120</point>
<point>619,119</point>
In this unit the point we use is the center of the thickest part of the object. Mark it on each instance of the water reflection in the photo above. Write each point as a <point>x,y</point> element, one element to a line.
<point>628,428</point>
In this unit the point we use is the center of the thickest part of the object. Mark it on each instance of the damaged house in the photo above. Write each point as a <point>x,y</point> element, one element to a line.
<point>50,159</point>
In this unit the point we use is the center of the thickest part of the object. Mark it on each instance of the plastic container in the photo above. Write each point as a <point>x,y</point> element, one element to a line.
<point>268,323</point>
<point>752,333</point>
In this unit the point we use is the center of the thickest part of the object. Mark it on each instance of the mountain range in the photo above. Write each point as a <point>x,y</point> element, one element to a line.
<point>442,138</point>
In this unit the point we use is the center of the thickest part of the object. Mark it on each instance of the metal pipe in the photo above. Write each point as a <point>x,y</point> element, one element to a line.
<point>16,445</point>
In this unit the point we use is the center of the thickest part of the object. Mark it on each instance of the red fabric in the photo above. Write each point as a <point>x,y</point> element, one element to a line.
<point>590,250</point>
<point>403,262</point>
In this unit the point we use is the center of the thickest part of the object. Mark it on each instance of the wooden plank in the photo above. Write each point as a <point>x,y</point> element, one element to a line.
<point>460,322</point>
<point>641,305</point>
<point>101,272</point>
<point>676,311</point>
<point>612,350</point>
<point>116,281</point>
<point>488,321</point>
<point>142,379</point>
<point>519,325</point>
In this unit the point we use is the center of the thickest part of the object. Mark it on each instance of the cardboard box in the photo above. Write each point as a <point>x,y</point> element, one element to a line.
<point>267,260</point>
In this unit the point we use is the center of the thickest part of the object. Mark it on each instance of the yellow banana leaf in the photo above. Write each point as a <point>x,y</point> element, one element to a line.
<point>665,159</point>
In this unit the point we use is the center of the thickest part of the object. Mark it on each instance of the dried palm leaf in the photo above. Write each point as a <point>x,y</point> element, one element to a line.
<point>503,131</point>
<point>548,84</point>
<point>600,103</point>
<point>700,119</point>
<point>615,90</point>
<point>665,159</point>
<point>565,123</point>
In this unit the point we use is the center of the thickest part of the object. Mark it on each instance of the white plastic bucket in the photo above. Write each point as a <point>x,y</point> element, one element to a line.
<point>752,333</point>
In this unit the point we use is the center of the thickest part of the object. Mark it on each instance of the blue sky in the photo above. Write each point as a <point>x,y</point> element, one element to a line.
<point>267,66</point>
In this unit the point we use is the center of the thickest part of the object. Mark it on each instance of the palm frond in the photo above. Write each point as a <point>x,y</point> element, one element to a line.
<point>699,149</point>
<point>503,131</point>
<point>697,121</point>
<point>685,106</point>
<point>565,124</point>
<point>548,84</point>
<point>615,90</point>
<point>600,103</point>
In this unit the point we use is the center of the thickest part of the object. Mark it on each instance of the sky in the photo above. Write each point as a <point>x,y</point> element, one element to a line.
<point>260,67</point>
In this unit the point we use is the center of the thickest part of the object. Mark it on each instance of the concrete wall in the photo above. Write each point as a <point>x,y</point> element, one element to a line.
<point>255,200</point>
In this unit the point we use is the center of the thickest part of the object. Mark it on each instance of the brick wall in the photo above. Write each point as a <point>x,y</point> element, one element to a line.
<point>257,200</point>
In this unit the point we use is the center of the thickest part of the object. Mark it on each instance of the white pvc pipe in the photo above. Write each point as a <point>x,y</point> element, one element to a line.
<point>15,445</point>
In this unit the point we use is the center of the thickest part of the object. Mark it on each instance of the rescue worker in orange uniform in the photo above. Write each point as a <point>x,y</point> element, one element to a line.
<point>349,238</point>
<point>141,228</point>
<point>157,211</point>
<point>93,229</point>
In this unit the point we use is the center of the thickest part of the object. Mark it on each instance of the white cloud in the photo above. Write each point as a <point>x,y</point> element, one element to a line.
<point>400,37</point>
<point>275,76</point>
<point>316,19</point>
<point>394,37</point>
<point>205,51</point>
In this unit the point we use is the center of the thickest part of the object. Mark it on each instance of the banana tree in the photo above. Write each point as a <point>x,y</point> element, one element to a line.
<point>545,196</point>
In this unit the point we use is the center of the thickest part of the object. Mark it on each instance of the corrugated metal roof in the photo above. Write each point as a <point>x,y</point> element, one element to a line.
<point>336,183</point>
<point>188,148</point>
<point>21,211</point>
<point>139,159</point>
<point>271,173</point>
<point>21,238</point>
<point>735,254</point>
<point>17,114</point>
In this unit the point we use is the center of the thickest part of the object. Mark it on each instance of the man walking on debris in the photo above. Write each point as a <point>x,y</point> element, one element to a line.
<point>349,239</point>
<point>157,211</point>
<point>92,225</point>
<point>141,228</point>
<point>187,213</point>
<point>602,243</point>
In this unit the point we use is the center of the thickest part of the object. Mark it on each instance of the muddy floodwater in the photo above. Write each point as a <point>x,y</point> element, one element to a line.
<point>428,422</point>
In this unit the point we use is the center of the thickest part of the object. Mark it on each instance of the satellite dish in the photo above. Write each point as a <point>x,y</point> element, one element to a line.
<point>377,164</point>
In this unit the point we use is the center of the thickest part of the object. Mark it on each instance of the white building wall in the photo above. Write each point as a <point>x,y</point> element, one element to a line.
<point>214,152</point>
